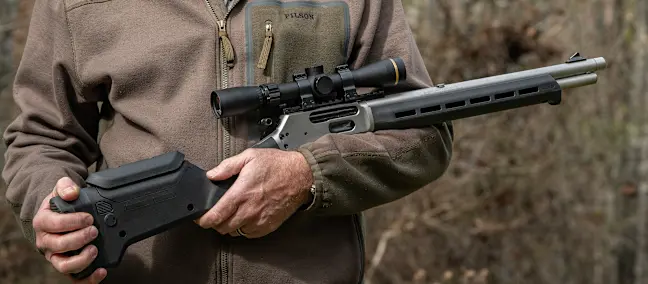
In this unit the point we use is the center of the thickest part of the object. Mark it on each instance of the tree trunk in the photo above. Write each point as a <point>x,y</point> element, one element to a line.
<point>639,94</point>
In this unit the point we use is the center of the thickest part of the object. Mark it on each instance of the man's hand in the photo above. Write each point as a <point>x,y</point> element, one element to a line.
<point>270,187</point>
<point>59,233</point>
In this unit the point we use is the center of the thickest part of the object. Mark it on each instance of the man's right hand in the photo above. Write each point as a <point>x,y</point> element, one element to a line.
<point>59,233</point>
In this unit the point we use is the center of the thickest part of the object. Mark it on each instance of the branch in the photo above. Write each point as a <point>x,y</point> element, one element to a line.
<point>394,230</point>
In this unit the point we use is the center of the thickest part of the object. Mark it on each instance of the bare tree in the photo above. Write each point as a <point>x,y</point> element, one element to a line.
<point>639,92</point>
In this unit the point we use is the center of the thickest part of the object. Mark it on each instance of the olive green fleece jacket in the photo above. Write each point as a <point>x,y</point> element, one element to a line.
<point>152,66</point>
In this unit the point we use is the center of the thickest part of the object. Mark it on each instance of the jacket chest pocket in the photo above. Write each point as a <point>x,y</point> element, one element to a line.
<point>284,38</point>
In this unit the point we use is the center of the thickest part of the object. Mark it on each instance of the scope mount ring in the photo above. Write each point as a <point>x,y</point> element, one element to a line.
<point>349,88</point>
<point>306,94</point>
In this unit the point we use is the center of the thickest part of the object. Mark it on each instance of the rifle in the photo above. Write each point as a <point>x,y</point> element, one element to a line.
<point>138,200</point>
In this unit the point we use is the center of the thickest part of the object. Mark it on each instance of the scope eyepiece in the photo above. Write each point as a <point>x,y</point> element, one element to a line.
<point>236,101</point>
<point>309,89</point>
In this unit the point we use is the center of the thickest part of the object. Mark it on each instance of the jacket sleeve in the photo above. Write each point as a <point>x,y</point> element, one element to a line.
<point>353,173</point>
<point>54,135</point>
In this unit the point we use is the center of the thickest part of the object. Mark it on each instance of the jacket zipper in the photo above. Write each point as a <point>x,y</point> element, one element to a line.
<point>227,62</point>
<point>267,46</point>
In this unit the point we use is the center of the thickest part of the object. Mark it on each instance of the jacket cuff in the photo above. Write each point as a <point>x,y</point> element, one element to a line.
<point>320,198</point>
<point>26,201</point>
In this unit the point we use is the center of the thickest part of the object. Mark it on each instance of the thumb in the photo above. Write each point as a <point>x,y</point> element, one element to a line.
<point>229,167</point>
<point>66,189</point>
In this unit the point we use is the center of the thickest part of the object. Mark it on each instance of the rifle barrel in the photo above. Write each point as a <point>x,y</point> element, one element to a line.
<point>565,70</point>
<point>424,107</point>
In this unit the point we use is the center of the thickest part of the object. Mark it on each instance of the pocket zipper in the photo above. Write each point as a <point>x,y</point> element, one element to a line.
<point>267,46</point>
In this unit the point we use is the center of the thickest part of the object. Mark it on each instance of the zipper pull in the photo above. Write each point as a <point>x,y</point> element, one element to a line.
<point>267,45</point>
<point>227,44</point>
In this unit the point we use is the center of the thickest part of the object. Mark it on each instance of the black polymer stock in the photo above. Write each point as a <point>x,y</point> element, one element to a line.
<point>141,199</point>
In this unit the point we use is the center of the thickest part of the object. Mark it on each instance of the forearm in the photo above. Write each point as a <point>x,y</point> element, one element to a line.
<point>354,173</point>
<point>33,165</point>
<point>29,185</point>
<point>54,135</point>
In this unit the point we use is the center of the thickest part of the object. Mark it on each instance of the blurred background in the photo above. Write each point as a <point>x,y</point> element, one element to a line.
<point>543,194</point>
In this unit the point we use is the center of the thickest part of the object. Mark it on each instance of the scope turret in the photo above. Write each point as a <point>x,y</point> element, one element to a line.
<point>309,89</point>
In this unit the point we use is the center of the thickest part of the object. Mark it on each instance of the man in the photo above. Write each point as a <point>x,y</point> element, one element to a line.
<point>152,66</point>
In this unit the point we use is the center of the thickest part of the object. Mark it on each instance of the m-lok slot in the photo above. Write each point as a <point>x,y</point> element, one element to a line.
<point>405,113</point>
<point>480,100</point>
<point>431,109</point>
<point>529,91</point>
<point>455,104</point>
<point>504,95</point>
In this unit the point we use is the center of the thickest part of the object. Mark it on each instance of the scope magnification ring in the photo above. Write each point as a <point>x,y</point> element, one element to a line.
<point>272,96</point>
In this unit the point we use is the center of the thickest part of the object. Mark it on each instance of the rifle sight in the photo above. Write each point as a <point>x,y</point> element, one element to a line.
<point>310,89</point>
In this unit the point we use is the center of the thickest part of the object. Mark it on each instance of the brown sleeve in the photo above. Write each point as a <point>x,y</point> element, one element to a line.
<point>353,173</point>
<point>54,135</point>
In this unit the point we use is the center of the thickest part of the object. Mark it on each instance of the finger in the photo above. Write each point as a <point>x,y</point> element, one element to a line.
<point>237,220</point>
<point>65,182</point>
<point>56,243</point>
<point>225,207</point>
<point>45,204</point>
<point>67,189</point>
<point>261,227</point>
<point>61,184</point>
<point>235,233</point>
<point>48,255</point>
<point>252,232</point>
<point>50,222</point>
<point>258,228</point>
<point>75,263</point>
<point>223,210</point>
<point>94,278</point>
<point>229,167</point>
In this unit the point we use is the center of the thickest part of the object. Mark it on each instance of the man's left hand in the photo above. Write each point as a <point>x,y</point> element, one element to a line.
<point>270,187</point>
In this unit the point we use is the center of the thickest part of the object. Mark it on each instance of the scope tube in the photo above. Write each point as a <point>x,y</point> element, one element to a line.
<point>322,87</point>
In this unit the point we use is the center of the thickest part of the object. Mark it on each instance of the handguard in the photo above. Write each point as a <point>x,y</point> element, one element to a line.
<point>141,199</point>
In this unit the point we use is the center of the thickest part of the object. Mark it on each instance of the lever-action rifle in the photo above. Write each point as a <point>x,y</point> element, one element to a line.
<point>141,199</point>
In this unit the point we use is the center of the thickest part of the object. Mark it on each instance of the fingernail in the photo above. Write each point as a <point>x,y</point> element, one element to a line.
<point>93,251</point>
<point>88,220</point>
<point>68,191</point>
<point>93,232</point>
<point>211,173</point>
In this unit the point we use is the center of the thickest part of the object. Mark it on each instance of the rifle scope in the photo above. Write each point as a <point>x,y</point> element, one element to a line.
<point>309,89</point>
